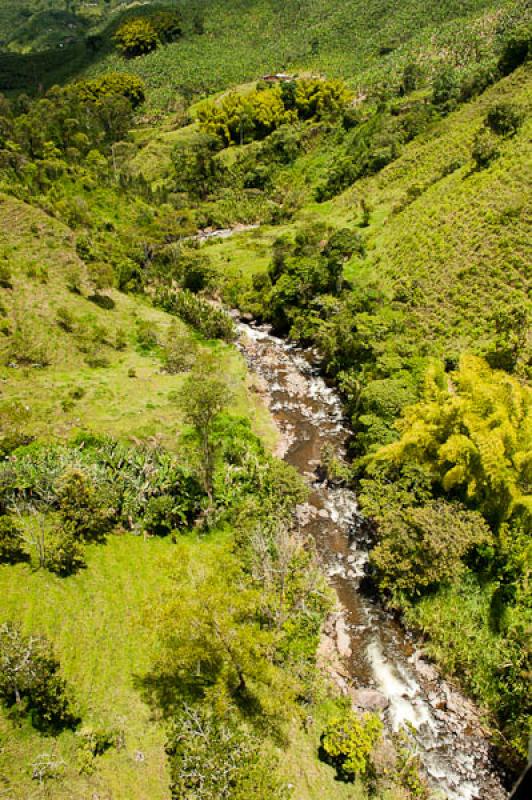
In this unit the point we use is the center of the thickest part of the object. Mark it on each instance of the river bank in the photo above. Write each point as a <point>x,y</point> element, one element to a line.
<point>371,658</point>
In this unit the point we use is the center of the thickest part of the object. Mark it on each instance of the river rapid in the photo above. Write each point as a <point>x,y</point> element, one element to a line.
<point>382,667</point>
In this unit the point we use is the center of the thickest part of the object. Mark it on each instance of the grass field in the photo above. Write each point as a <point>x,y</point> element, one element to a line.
<point>96,622</point>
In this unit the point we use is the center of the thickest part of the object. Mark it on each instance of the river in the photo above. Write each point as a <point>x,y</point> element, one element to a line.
<point>384,667</point>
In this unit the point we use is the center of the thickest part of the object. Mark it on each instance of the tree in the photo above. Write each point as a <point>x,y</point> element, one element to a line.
<point>348,741</point>
<point>412,74</point>
<point>445,89</point>
<point>516,50</point>
<point>504,119</point>
<point>510,349</point>
<point>197,170</point>
<point>211,639</point>
<point>168,25</point>
<point>213,757</point>
<point>203,396</point>
<point>473,436</point>
<point>137,37</point>
<point>11,542</point>
<point>30,679</point>
<point>421,548</point>
<point>113,83</point>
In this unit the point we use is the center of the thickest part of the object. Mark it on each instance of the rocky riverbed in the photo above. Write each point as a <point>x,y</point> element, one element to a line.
<point>368,655</point>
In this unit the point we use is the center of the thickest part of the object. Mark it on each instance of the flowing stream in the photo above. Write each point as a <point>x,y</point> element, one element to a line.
<point>384,670</point>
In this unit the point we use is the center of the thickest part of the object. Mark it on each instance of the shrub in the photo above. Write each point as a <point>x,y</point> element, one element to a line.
<point>5,276</point>
<point>485,149</point>
<point>11,542</point>
<point>504,119</point>
<point>163,515</point>
<point>64,553</point>
<point>136,37</point>
<point>82,506</point>
<point>348,741</point>
<point>421,548</point>
<point>31,681</point>
<point>179,351</point>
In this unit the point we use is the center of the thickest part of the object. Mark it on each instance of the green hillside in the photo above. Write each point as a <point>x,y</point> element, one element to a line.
<point>365,43</point>
<point>380,205</point>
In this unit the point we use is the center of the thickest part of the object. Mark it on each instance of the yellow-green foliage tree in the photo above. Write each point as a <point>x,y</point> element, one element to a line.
<point>474,433</point>
<point>316,98</point>
<point>136,37</point>
<point>113,84</point>
<point>238,118</point>
<point>348,742</point>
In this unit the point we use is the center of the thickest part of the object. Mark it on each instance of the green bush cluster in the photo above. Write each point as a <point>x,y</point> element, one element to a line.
<point>141,35</point>
<point>11,541</point>
<point>348,742</point>
<point>87,490</point>
<point>211,322</point>
<point>240,118</point>
<point>30,681</point>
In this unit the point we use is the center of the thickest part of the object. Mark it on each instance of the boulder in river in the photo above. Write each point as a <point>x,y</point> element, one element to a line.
<point>369,699</point>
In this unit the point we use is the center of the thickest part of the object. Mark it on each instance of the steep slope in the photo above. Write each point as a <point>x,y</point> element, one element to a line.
<point>225,44</point>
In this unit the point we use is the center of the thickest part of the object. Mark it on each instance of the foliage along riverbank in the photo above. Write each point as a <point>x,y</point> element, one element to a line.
<point>394,240</point>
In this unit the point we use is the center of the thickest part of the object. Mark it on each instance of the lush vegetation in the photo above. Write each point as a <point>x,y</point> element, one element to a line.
<point>174,653</point>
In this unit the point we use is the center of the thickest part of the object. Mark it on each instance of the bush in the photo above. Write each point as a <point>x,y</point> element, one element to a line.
<point>137,37</point>
<point>64,554</point>
<point>504,119</point>
<point>82,507</point>
<point>348,741</point>
<point>485,149</point>
<point>11,542</point>
<point>30,680</point>
<point>163,515</point>
<point>421,548</point>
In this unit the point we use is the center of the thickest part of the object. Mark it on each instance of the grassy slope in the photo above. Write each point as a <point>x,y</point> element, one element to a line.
<point>97,619</point>
<point>462,244</point>
<point>95,622</point>
<point>112,402</point>
<point>364,42</point>
<point>244,39</point>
